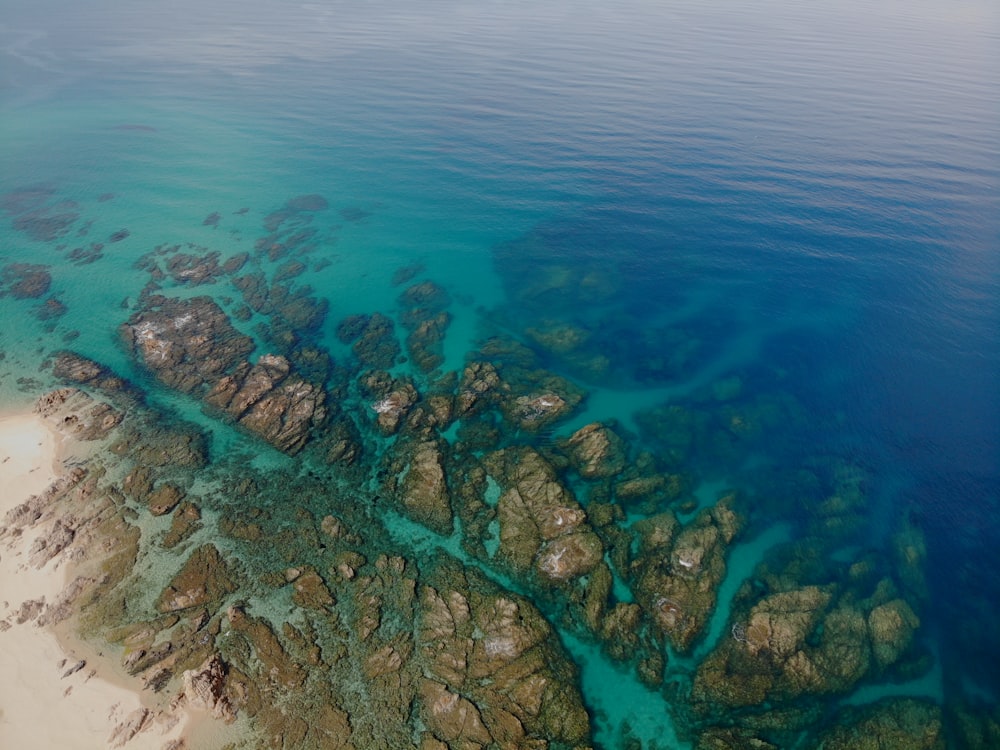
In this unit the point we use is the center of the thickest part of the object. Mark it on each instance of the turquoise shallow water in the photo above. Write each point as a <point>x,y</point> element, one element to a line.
<point>787,209</point>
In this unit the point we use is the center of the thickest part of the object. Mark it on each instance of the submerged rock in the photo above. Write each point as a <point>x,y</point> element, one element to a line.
<point>374,339</point>
<point>25,280</point>
<point>205,578</point>
<point>897,723</point>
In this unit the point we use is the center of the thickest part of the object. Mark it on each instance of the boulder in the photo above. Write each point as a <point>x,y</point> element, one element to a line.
<point>596,451</point>
<point>269,401</point>
<point>189,344</point>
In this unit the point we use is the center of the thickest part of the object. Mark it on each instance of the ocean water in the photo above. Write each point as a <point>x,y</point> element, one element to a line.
<point>772,227</point>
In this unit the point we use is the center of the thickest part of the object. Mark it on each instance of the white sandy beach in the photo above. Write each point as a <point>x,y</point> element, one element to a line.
<point>40,708</point>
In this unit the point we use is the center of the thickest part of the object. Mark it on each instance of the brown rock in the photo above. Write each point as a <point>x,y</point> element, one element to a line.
<point>596,451</point>
<point>205,578</point>
<point>423,490</point>
<point>164,499</point>
<point>204,687</point>
<point>188,344</point>
<point>76,414</point>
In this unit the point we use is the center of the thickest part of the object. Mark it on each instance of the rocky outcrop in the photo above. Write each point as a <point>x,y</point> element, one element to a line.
<point>77,415</point>
<point>205,578</point>
<point>270,401</point>
<point>806,641</point>
<point>596,451</point>
<point>79,370</point>
<point>543,530</point>
<point>493,673</point>
<point>420,486</point>
<point>391,399</point>
<point>678,576</point>
<point>478,388</point>
<point>203,689</point>
<point>189,344</point>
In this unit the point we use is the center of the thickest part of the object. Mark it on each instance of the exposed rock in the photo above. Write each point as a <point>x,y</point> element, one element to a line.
<point>596,451</point>
<point>452,718</point>
<point>78,415</point>
<point>164,499</point>
<point>311,592</point>
<point>542,527</point>
<point>189,344</point>
<point>269,401</point>
<point>277,667</point>
<point>203,688</point>
<point>422,489</point>
<point>129,727</point>
<point>392,400</point>
<point>678,587</point>
<point>480,382</point>
<point>179,445</point>
<point>75,368</point>
<point>493,672</point>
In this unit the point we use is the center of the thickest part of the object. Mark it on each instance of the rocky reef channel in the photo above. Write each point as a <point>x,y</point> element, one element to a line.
<point>439,561</point>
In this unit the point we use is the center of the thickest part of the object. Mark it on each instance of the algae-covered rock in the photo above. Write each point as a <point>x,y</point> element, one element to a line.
<point>271,401</point>
<point>542,527</point>
<point>898,723</point>
<point>596,451</point>
<point>187,343</point>
<point>186,520</point>
<point>494,671</point>
<point>164,498</point>
<point>205,578</point>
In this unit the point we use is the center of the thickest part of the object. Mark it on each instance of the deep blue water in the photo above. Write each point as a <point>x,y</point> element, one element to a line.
<point>803,194</point>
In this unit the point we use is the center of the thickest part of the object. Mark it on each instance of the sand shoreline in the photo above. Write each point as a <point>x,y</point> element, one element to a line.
<point>47,697</point>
